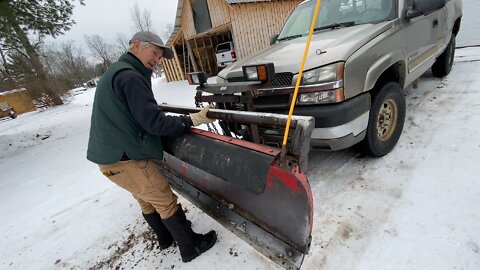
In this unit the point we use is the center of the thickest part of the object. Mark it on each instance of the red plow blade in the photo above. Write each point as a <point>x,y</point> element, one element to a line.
<point>249,188</point>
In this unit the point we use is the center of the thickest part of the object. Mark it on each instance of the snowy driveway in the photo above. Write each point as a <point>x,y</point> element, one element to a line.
<point>416,208</point>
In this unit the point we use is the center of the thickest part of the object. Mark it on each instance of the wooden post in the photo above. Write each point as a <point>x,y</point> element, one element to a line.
<point>192,56</point>
<point>185,57</point>
<point>168,73</point>
<point>177,67</point>
<point>164,65</point>
<point>196,47</point>
<point>208,60</point>
<point>214,56</point>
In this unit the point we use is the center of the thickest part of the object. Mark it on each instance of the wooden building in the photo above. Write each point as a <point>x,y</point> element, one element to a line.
<point>202,24</point>
<point>19,100</point>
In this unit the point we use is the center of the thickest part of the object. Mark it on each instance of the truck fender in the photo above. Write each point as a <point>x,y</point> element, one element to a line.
<point>382,64</point>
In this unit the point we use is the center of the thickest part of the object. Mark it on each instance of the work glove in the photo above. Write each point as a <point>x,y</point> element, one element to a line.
<point>201,117</point>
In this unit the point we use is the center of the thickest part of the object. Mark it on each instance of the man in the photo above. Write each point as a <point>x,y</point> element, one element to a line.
<point>125,135</point>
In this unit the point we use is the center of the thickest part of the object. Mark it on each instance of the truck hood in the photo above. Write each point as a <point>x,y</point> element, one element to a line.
<point>326,47</point>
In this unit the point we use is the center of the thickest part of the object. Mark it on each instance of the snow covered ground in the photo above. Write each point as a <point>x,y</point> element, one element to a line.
<point>470,32</point>
<point>416,208</point>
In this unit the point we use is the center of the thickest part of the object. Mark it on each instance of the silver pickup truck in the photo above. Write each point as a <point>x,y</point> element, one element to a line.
<point>362,55</point>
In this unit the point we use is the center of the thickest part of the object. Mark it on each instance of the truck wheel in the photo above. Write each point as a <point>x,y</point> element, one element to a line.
<point>385,122</point>
<point>443,64</point>
<point>13,115</point>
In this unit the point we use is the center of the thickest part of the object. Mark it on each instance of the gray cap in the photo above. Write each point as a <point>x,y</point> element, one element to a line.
<point>150,37</point>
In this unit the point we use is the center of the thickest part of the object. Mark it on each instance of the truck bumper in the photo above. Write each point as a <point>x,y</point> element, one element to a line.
<point>224,64</point>
<point>338,126</point>
<point>340,137</point>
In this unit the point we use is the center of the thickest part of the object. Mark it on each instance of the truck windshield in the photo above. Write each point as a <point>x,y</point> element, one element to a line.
<point>336,12</point>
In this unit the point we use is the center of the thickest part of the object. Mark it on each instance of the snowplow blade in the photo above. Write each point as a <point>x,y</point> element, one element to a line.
<point>251,189</point>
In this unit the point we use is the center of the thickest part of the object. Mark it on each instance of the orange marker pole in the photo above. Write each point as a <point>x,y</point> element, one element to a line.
<point>299,78</point>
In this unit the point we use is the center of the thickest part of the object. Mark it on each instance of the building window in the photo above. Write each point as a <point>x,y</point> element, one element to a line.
<point>201,16</point>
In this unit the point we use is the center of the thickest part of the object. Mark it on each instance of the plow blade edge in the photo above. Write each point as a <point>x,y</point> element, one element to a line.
<point>264,199</point>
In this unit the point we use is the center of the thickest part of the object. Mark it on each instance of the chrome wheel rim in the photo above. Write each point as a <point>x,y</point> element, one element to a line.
<point>387,119</point>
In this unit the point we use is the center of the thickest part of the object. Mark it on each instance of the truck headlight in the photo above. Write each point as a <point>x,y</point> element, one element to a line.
<point>321,85</point>
<point>197,78</point>
<point>220,80</point>
<point>321,97</point>
<point>330,73</point>
<point>263,72</point>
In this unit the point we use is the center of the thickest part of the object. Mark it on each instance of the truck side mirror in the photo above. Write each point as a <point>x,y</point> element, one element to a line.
<point>273,39</point>
<point>423,7</point>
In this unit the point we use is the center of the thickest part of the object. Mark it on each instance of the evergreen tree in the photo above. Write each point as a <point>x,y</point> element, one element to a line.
<point>19,18</point>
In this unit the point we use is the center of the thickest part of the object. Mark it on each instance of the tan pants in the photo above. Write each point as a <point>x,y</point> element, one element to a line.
<point>147,185</point>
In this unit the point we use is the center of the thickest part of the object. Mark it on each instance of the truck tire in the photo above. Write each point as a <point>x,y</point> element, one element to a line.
<point>385,123</point>
<point>443,64</point>
<point>13,115</point>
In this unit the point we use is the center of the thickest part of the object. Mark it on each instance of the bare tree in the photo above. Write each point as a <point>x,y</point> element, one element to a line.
<point>167,32</point>
<point>121,42</point>
<point>44,18</point>
<point>68,63</point>
<point>100,49</point>
<point>6,77</point>
<point>141,20</point>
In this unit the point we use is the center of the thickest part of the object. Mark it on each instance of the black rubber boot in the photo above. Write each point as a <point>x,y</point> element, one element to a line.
<point>191,244</point>
<point>165,239</point>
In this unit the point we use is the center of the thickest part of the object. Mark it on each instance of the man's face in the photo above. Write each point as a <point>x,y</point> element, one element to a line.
<point>150,55</point>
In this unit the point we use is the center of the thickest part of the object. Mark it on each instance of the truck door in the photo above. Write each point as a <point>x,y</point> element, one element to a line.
<point>449,18</point>
<point>424,37</point>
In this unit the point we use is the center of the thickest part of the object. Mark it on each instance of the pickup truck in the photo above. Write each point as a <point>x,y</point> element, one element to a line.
<point>362,55</point>
<point>225,54</point>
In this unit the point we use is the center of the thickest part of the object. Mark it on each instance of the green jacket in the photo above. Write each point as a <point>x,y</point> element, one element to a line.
<point>113,129</point>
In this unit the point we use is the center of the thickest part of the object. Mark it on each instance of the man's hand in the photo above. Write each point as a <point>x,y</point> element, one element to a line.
<point>201,117</point>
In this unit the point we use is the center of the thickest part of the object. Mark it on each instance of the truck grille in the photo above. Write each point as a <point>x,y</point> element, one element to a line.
<point>281,79</point>
<point>266,103</point>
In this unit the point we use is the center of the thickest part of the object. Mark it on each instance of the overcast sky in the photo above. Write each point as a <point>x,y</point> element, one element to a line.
<point>107,17</point>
